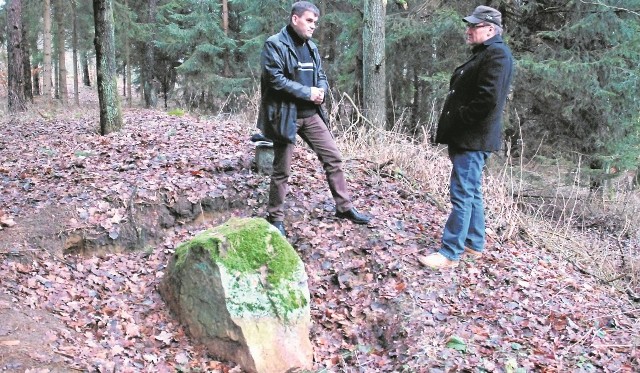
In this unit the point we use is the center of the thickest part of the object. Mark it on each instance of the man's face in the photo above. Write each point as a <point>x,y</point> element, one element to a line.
<point>478,33</point>
<point>305,24</point>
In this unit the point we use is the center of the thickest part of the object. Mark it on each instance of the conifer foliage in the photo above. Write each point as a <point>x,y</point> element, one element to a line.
<point>576,78</point>
<point>578,75</point>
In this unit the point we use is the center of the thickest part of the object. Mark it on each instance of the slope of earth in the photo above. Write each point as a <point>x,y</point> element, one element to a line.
<point>94,220</point>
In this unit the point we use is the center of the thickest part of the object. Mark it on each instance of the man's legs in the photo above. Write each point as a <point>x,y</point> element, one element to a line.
<point>282,154</point>
<point>315,133</point>
<point>465,225</point>
<point>476,235</point>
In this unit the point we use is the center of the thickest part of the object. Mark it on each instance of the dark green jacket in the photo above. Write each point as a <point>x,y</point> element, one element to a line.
<point>471,117</point>
<point>278,113</point>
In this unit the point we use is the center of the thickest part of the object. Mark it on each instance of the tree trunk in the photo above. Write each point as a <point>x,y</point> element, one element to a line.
<point>46,75</point>
<point>225,28</point>
<point>127,58</point>
<point>56,86</point>
<point>373,58</point>
<point>15,76</point>
<point>86,78</point>
<point>148,76</point>
<point>62,64</point>
<point>26,65</point>
<point>110,110</point>
<point>36,81</point>
<point>74,42</point>
<point>417,100</point>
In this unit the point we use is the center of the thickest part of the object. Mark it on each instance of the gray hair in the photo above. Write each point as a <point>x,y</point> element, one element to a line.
<point>304,6</point>
<point>498,29</point>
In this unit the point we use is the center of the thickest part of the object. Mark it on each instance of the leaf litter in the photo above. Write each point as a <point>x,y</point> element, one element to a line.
<point>374,308</point>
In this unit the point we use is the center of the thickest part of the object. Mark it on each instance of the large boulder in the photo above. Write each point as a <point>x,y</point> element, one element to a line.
<point>241,290</point>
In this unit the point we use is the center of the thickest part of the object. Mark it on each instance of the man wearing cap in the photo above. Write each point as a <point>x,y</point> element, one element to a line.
<point>293,87</point>
<point>471,125</point>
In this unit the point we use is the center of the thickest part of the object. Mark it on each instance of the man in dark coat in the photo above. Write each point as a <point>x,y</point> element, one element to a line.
<point>471,126</point>
<point>293,88</point>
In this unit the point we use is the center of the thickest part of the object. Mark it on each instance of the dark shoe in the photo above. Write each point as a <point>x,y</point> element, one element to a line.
<point>280,226</point>
<point>354,216</point>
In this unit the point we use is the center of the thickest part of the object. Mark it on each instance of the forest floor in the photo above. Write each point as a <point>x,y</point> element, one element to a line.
<point>90,222</point>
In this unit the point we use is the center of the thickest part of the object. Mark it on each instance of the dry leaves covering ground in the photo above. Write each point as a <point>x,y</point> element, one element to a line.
<point>519,308</point>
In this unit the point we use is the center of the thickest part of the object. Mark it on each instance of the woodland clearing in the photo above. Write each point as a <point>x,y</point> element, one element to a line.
<point>90,222</point>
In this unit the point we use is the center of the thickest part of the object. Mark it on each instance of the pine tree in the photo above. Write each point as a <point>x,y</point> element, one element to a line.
<point>15,76</point>
<point>373,72</point>
<point>577,75</point>
<point>110,111</point>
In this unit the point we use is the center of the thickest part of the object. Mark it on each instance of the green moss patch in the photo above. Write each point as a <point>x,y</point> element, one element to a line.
<point>246,245</point>
<point>176,112</point>
<point>265,270</point>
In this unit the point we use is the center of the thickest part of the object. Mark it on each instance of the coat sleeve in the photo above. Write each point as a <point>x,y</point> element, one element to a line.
<point>273,67</point>
<point>493,70</point>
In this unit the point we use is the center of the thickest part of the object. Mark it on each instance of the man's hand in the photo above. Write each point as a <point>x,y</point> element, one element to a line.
<point>317,95</point>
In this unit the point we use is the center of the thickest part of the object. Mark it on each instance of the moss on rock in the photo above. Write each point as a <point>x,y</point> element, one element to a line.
<point>254,253</point>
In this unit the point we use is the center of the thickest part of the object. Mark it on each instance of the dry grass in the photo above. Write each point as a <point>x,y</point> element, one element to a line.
<point>596,230</point>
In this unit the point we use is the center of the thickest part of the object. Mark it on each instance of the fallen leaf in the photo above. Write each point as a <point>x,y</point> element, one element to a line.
<point>9,343</point>
<point>133,330</point>
<point>182,358</point>
<point>164,337</point>
<point>150,358</point>
<point>7,221</point>
<point>117,350</point>
<point>457,343</point>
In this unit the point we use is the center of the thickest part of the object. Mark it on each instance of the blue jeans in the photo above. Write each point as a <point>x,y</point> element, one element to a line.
<point>465,226</point>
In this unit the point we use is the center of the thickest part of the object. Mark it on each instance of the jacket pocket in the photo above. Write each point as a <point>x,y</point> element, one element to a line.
<point>281,119</point>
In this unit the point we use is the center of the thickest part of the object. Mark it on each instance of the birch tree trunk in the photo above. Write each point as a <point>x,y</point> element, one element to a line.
<point>110,110</point>
<point>373,62</point>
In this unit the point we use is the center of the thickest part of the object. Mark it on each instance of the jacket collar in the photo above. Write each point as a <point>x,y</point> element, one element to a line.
<point>480,47</point>
<point>286,39</point>
<point>294,36</point>
<point>493,40</point>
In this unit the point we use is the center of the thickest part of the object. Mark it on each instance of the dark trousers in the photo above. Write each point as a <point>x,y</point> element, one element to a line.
<point>316,134</point>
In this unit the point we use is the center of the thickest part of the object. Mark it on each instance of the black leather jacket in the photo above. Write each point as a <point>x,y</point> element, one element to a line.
<point>278,113</point>
<point>471,117</point>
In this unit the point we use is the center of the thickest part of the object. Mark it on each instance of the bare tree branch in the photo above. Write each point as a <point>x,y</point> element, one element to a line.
<point>611,6</point>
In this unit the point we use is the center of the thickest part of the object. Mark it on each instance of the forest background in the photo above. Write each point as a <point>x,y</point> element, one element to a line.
<point>574,95</point>
<point>572,138</point>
